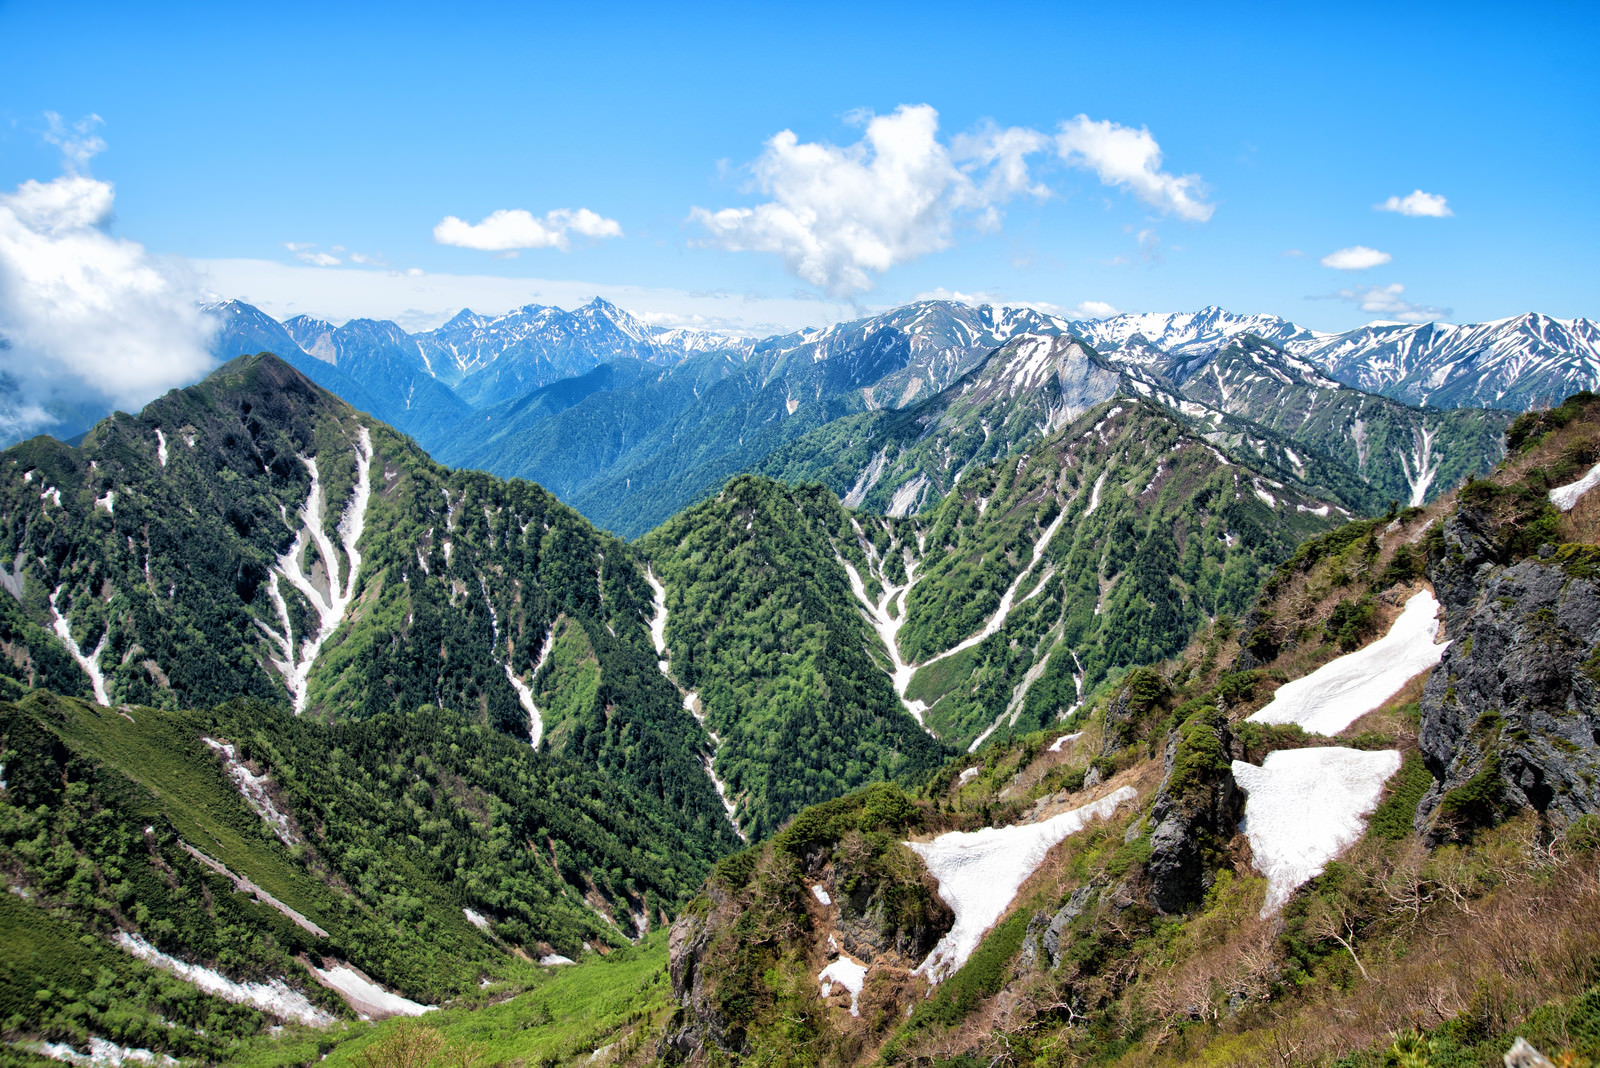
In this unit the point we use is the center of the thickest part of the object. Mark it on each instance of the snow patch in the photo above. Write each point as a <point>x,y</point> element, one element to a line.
<point>1305,807</point>
<point>1565,497</point>
<point>276,998</point>
<point>108,502</point>
<point>525,691</point>
<point>848,974</point>
<point>980,872</point>
<point>968,775</point>
<point>821,894</point>
<point>552,960</point>
<point>477,919</point>
<point>161,447</point>
<point>1337,694</point>
<point>366,997</point>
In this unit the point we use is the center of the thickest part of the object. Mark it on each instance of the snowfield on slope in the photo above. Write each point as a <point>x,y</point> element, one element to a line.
<point>1306,806</point>
<point>980,872</point>
<point>1565,497</point>
<point>366,997</point>
<point>1338,693</point>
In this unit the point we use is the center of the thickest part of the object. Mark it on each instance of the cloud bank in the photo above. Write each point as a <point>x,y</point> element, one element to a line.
<point>839,215</point>
<point>516,229</point>
<point>89,321</point>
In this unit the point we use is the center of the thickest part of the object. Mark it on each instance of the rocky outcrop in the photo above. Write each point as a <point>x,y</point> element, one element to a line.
<point>1511,716</point>
<point>1195,813</point>
<point>699,1023</point>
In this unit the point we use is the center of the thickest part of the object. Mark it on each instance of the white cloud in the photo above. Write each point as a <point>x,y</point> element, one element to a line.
<point>516,229</point>
<point>839,215</point>
<point>1093,309</point>
<point>318,259</point>
<point>1390,303</point>
<point>1417,203</point>
<point>1121,155</point>
<point>90,321</point>
<point>78,142</point>
<point>1355,258</point>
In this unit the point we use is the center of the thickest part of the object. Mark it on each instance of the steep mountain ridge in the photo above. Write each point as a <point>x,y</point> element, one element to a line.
<point>1190,875</point>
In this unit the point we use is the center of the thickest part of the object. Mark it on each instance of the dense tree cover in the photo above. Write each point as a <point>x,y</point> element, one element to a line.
<point>1175,535</point>
<point>762,624</point>
<point>162,533</point>
<point>398,823</point>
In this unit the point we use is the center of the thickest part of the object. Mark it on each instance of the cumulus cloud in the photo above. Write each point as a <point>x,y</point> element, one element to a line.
<point>1417,202</point>
<point>1355,258</point>
<point>318,259</point>
<point>89,321</point>
<point>840,215</point>
<point>1123,156</point>
<point>515,229</point>
<point>1390,303</point>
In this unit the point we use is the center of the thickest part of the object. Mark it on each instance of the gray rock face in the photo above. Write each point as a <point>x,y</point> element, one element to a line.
<point>698,1023</point>
<point>1195,812</point>
<point>1511,716</point>
<point>1042,942</point>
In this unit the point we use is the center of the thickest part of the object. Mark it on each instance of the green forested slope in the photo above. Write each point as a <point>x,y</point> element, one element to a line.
<point>167,540</point>
<point>761,624</point>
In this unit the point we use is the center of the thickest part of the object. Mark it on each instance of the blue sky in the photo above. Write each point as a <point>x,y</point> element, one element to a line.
<point>232,135</point>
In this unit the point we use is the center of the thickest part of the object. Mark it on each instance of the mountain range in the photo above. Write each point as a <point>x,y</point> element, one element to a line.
<point>630,422</point>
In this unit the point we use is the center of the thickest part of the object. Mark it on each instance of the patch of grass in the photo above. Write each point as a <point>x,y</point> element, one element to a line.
<point>1392,818</point>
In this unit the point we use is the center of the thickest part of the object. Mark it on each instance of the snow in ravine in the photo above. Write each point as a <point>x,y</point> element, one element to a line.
<point>90,663</point>
<point>820,892</point>
<point>1055,746</point>
<point>276,998</point>
<point>553,960</point>
<point>477,919</point>
<point>1337,694</point>
<point>1564,497</point>
<point>329,608</point>
<point>980,872</point>
<point>1306,806</point>
<point>846,973</point>
<point>366,997</point>
<point>253,788</point>
<point>103,1054</point>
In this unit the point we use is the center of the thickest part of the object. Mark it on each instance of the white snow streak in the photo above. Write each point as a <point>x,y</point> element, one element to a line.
<point>1305,807</point>
<point>525,691</point>
<point>1421,467</point>
<point>161,447</point>
<point>980,872</point>
<point>91,663</point>
<point>1337,694</point>
<point>477,919</point>
<point>276,998</point>
<point>1055,746</point>
<point>1564,497</point>
<point>330,608</point>
<point>102,1052</point>
<point>253,788</point>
